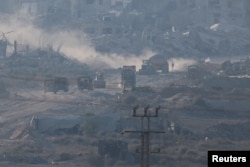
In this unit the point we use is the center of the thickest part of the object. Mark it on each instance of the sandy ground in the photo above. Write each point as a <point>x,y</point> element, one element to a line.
<point>188,145</point>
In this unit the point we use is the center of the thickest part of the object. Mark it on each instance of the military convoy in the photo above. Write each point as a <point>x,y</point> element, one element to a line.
<point>84,82</point>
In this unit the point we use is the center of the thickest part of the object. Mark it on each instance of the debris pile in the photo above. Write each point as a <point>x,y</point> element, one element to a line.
<point>237,131</point>
<point>43,62</point>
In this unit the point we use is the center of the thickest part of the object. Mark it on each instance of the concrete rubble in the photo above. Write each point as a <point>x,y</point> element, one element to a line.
<point>203,91</point>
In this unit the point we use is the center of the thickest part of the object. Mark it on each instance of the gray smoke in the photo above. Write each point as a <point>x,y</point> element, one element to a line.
<point>74,44</point>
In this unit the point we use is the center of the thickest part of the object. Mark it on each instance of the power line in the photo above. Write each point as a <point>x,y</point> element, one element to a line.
<point>145,134</point>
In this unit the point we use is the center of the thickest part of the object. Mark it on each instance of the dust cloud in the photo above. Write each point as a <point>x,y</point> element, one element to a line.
<point>74,44</point>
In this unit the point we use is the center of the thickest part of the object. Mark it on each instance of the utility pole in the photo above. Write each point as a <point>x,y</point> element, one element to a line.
<point>145,133</point>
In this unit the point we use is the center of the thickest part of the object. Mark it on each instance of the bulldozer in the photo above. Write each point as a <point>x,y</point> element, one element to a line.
<point>85,82</point>
<point>99,81</point>
<point>56,84</point>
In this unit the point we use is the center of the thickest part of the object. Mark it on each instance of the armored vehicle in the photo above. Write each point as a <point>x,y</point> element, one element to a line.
<point>85,82</point>
<point>147,68</point>
<point>128,77</point>
<point>99,81</point>
<point>235,68</point>
<point>192,71</point>
<point>150,67</point>
<point>56,84</point>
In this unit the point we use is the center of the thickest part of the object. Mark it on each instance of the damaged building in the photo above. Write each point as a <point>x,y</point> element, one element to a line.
<point>226,10</point>
<point>3,48</point>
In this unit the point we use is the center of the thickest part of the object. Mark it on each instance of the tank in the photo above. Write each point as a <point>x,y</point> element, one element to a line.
<point>128,77</point>
<point>99,81</point>
<point>84,82</point>
<point>56,84</point>
<point>147,68</point>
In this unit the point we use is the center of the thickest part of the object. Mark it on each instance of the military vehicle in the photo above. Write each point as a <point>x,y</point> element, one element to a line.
<point>147,68</point>
<point>85,82</point>
<point>128,77</point>
<point>235,68</point>
<point>201,71</point>
<point>56,84</point>
<point>153,67</point>
<point>192,71</point>
<point>99,81</point>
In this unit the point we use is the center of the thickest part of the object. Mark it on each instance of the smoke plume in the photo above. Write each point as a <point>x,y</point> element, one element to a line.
<point>74,44</point>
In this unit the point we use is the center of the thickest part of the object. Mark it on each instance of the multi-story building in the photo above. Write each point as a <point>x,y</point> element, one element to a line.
<point>95,14</point>
<point>37,7</point>
<point>82,8</point>
<point>247,13</point>
<point>207,12</point>
<point>29,7</point>
<point>229,11</point>
<point>120,4</point>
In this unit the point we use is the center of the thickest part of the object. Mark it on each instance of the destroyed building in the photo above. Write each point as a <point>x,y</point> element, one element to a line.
<point>3,47</point>
<point>247,16</point>
<point>195,96</point>
<point>198,11</point>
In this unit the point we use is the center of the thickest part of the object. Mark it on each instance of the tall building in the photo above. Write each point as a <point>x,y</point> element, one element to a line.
<point>247,13</point>
<point>29,7</point>
<point>229,11</point>
<point>82,8</point>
